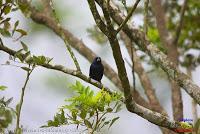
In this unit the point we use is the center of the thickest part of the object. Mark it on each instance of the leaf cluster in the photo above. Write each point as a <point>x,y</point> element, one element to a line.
<point>88,109</point>
<point>6,28</point>
<point>6,114</point>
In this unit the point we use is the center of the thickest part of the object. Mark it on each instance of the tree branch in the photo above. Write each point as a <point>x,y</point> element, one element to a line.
<point>159,13</point>
<point>111,34</point>
<point>144,78</point>
<point>130,104</point>
<point>65,39</point>
<point>42,18</point>
<point>57,68</point>
<point>180,25</point>
<point>151,116</point>
<point>98,19</point>
<point>172,52</point>
<point>47,6</point>
<point>22,99</point>
<point>156,55</point>
<point>146,6</point>
<point>128,16</point>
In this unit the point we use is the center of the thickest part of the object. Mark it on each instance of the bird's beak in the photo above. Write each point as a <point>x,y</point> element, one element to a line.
<point>98,59</point>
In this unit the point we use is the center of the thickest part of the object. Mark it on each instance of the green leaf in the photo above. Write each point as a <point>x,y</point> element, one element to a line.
<point>83,114</point>
<point>107,97</point>
<point>43,59</point>
<point>87,123</point>
<point>7,9</point>
<point>8,116</point>
<point>62,116</point>
<point>24,7</point>
<point>53,123</point>
<point>86,91</point>
<point>26,69</point>
<point>5,21</point>
<point>39,60</point>
<point>113,120</point>
<point>91,113</point>
<point>5,32</point>
<point>18,55</point>
<point>27,55</point>
<point>9,1</point>
<point>24,46</point>
<point>19,131</point>
<point>56,121</point>
<point>36,59</point>
<point>109,109</point>
<point>2,88</point>
<point>74,115</point>
<point>91,94</point>
<point>78,84</point>
<point>7,25</point>
<point>197,125</point>
<point>101,108</point>
<point>15,27</point>
<point>23,33</point>
<point>48,60</point>
<point>17,108</point>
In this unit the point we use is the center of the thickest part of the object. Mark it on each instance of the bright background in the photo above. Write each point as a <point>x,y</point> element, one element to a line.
<point>47,89</point>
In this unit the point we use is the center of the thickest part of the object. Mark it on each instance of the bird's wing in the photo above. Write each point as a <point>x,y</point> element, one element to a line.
<point>91,70</point>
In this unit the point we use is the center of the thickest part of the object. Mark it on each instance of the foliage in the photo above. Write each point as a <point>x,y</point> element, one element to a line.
<point>88,109</point>
<point>197,126</point>
<point>2,88</point>
<point>190,34</point>
<point>6,114</point>
<point>6,28</point>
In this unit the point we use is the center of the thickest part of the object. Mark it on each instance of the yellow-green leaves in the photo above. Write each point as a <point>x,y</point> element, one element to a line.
<point>2,88</point>
<point>88,109</point>
<point>6,7</point>
<point>6,113</point>
<point>24,7</point>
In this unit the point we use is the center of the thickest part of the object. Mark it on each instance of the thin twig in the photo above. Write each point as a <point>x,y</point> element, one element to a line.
<point>152,116</point>
<point>180,25</point>
<point>114,43</point>
<point>81,47</point>
<point>1,42</point>
<point>64,39</point>
<point>128,16</point>
<point>58,68</point>
<point>97,120</point>
<point>22,99</point>
<point>102,26</point>
<point>146,5</point>
<point>133,66</point>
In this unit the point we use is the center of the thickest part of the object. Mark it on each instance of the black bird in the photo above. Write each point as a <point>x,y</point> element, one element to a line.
<point>96,69</point>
